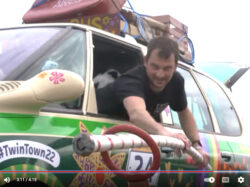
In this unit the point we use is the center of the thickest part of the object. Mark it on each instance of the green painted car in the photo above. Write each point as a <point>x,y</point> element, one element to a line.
<point>49,76</point>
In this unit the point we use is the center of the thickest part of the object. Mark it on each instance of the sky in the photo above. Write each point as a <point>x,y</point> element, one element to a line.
<point>219,29</point>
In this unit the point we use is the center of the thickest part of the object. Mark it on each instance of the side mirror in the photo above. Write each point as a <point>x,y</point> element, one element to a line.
<point>46,87</point>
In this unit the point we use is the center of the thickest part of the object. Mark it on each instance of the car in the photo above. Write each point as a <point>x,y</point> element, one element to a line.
<point>48,83</point>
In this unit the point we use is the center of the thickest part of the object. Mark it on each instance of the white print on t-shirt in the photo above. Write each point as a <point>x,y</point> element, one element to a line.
<point>160,107</point>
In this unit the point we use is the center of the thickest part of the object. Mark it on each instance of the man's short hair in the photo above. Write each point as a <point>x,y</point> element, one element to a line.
<point>166,47</point>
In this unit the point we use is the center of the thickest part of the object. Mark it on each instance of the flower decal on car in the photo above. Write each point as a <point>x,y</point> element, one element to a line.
<point>56,77</point>
<point>94,162</point>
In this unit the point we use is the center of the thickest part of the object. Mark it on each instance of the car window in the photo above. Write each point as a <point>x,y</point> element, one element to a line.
<point>111,59</point>
<point>111,55</point>
<point>223,109</point>
<point>196,103</point>
<point>33,50</point>
<point>68,54</point>
<point>17,45</point>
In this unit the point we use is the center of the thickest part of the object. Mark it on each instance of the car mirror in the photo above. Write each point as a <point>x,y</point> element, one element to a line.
<point>44,88</point>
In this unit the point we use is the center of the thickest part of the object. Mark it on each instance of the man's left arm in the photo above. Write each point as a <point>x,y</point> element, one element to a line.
<point>188,124</point>
<point>189,127</point>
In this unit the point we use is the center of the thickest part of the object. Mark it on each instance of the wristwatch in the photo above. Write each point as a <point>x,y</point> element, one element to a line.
<point>197,144</point>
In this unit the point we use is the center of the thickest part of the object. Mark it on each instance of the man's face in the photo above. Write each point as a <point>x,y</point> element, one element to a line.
<point>159,70</point>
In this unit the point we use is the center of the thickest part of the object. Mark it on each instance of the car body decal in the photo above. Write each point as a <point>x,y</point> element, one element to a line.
<point>57,77</point>
<point>94,162</point>
<point>28,149</point>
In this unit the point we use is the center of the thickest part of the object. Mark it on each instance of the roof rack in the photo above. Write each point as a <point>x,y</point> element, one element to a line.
<point>156,26</point>
<point>109,15</point>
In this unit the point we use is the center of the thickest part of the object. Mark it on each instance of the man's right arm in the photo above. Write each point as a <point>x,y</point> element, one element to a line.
<point>138,115</point>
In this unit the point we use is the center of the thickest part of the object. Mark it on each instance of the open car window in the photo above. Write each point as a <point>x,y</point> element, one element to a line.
<point>111,59</point>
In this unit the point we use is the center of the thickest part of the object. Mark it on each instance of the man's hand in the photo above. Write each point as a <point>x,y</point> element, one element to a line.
<point>204,155</point>
<point>189,126</point>
<point>183,138</point>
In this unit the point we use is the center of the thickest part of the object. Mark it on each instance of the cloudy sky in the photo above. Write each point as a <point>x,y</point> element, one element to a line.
<point>219,29</point>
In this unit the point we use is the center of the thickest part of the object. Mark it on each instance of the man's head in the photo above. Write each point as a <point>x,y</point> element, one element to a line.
<point>161,62</point>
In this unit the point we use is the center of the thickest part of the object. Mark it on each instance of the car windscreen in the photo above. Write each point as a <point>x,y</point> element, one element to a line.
<point>17,45</point>
<point>25,52</point>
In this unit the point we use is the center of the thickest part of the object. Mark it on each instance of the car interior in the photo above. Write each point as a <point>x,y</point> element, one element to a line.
<point>111,59</point>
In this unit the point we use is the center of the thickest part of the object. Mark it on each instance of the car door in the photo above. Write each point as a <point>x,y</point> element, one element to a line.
<point>217,147</point>
<point>229,130</point>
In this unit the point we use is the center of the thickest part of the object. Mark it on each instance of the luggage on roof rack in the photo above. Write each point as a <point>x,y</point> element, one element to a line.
<point>108,15</point>
<point>54,10</point>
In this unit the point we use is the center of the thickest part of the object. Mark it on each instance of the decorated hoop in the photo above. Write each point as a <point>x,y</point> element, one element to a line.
<point>147,138</point>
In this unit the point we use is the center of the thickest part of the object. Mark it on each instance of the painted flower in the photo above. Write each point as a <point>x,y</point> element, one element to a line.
<point>94,162</point>
<point>56,78</point>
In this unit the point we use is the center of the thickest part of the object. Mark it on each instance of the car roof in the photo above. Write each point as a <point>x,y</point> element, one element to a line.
<point>127,40</point>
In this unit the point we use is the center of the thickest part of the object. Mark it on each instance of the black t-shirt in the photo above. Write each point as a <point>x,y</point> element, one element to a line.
<point>135,83</point>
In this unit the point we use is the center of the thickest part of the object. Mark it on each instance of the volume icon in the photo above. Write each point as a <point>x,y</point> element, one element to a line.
<point>7,179</point>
